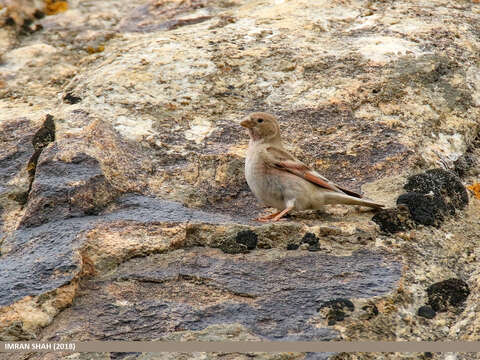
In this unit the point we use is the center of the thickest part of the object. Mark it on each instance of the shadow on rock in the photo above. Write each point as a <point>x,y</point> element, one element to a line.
<point>64,189</point>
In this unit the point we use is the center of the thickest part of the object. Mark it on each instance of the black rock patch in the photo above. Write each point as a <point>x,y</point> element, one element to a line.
<point>336,310</point>
<point>69,98</point>
<point>426,311</point>
<point>247,238</point>
<point>447,293</point>
<point>370,310</point>
<point>425,209</point>
<point>394,220</point>
<point>312,240</point>
<point>38,14</point>
<point>431,196</point>
<point>242,243</point>
<point>292,246</point>
<point>442,183</point>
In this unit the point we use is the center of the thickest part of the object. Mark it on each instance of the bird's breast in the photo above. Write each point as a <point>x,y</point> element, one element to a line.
<point>264,182</point>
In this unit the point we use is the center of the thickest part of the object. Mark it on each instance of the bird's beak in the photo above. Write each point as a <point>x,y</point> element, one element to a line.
<point>246,123</point>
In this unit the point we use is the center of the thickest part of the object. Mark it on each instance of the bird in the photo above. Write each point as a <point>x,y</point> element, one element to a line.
<point>281,181</point>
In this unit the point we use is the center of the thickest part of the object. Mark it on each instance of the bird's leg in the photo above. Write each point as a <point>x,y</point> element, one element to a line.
<point>268,217</point>
<point>281,213</point>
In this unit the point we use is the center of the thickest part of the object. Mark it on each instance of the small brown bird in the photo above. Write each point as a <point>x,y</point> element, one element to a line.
<point>281,181</point>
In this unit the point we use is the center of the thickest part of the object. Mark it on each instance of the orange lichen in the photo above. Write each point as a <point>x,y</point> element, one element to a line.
<point>476,189</point>
<point>53,7</point>
<point>88,267</point>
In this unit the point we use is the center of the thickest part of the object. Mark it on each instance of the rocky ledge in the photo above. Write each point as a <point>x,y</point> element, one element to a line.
<point>125,214</point>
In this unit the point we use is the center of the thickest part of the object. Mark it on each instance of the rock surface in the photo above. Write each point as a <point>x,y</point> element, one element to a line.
<point>132,197</point>
<point>278,301</point>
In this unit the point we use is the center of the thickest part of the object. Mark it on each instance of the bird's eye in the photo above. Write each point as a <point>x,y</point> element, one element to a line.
<point>259,120</point>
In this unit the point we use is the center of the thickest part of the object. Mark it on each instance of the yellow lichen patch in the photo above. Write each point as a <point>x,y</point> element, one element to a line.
<point>34,312</point>
<point>53,7</point>
<point>93,50</point>
<point>111,244</point>
<point>476,189</point>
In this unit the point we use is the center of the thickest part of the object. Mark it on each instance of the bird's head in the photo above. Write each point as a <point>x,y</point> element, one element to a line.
<point>262,126</point>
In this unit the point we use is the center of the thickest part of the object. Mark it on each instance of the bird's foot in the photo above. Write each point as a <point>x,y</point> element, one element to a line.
<point>276,216</point>
<point>267,218</point>
<point>264,220</point>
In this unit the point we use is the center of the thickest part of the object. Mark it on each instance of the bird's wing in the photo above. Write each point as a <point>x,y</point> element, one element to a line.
<point>281,159</point>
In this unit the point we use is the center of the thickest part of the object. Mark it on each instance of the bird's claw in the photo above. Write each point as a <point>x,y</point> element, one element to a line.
<point>266,219</point>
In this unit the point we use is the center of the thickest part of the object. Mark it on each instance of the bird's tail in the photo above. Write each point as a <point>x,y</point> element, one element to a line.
<point>339,198</point>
